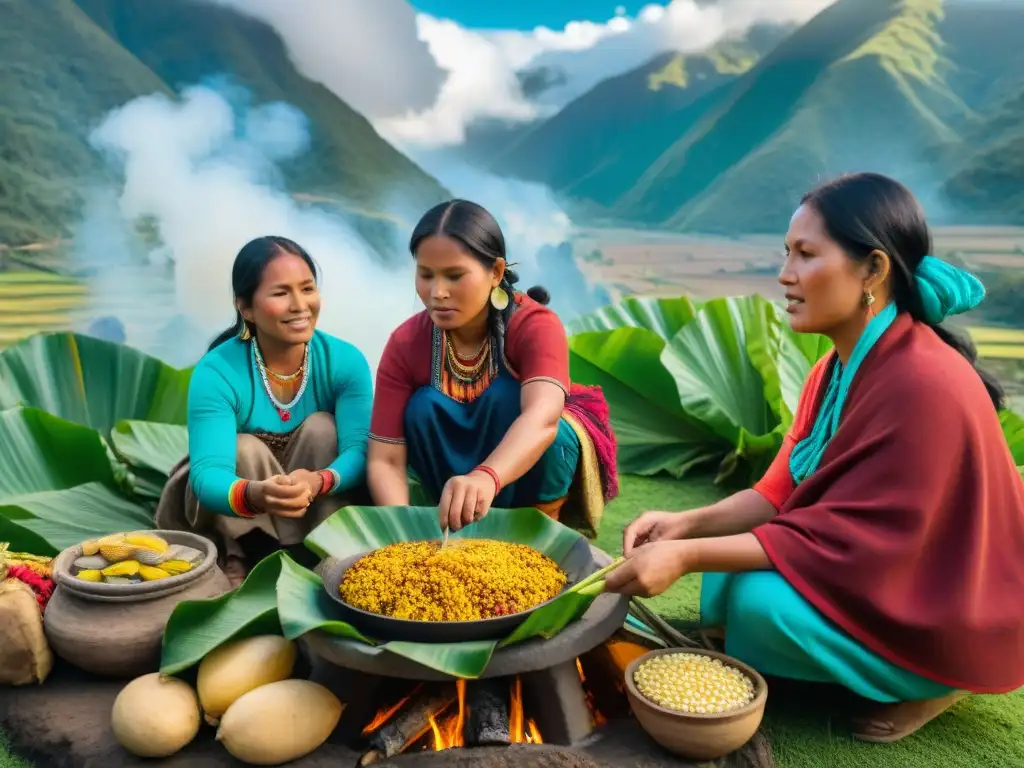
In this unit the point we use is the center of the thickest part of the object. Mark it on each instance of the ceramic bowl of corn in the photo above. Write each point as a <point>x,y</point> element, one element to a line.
<point>696,703</point>
<point>133,558</point>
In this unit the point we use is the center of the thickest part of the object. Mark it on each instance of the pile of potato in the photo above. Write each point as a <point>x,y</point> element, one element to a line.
<point>244,688</point>
<point>129,558</point>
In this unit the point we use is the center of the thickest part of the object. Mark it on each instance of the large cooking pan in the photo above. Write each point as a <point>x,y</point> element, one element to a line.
<point>578,563</point>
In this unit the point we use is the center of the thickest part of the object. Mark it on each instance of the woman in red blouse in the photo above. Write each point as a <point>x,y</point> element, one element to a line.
<point>473,393</point>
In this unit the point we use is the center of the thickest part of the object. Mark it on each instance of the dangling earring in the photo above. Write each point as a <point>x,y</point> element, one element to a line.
<point>244,334</point>
<point>499,298</point>
<point>869,298</point>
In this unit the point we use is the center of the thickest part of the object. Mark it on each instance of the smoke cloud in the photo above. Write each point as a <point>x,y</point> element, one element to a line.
<point>202,175</point>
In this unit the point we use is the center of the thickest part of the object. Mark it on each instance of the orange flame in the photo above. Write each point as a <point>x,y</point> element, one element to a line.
<point>448,733</point>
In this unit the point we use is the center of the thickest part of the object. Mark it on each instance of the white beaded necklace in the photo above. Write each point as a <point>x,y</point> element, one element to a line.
<point>283,409</point>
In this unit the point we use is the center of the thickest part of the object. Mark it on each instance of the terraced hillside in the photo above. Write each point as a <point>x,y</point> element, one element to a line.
<point>68,63</point>
<point>32,302</point>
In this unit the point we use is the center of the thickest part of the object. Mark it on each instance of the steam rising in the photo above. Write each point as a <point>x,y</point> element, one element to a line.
<point>205,175</point>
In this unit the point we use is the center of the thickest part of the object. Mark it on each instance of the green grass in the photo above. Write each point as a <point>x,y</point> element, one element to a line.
<point>7,760</point>
<point>983,731</point>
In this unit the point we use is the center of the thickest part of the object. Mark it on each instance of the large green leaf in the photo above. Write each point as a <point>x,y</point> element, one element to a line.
<point>281,596</point>
<point>91,382</point>
<point>57,486</point>
<point>717,382</point>
<point>150,445</point>
<point>196,627</point>
<point>1013,429</point>
<point>652,431</point>
<point>663,316</point>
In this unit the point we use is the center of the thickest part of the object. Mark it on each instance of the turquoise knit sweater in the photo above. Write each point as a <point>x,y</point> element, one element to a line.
<point>226,397</point>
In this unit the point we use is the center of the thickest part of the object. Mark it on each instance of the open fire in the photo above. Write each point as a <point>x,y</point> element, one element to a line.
<point>487,712</point>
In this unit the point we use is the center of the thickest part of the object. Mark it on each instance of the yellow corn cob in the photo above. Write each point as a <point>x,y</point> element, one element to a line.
<point>149,573</point>
<point>146,541</point>
<point>111,538</point>
<point>90,548</point>
<point>90,575</point>
<point>176,566</point>
<point>116,552</point>
<point>124,568</point>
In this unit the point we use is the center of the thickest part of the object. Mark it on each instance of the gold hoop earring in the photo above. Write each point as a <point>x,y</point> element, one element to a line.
<point>869,298</point>
<point>499,298</point>
<point>244,334</point>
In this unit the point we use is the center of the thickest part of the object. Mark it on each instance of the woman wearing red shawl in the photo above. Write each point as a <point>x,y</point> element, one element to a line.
<point>473,394</point>
<point>882,549</point>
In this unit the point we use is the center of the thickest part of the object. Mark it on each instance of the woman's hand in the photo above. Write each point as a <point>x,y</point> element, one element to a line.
<point>465,499</point>
<point>653,527</point>
<point>280,495</point>
<point>314,481</point>
<point>651,569</point>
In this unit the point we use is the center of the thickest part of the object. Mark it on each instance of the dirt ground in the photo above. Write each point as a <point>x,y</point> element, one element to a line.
<point>65,723</point>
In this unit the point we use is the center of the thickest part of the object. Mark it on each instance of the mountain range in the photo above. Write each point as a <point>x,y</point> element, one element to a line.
<point>67,63</point>
<point>727,140</point>
<point>718,141</point>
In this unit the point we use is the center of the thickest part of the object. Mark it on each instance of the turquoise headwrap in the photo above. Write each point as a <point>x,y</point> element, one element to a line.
<point>945,290</point>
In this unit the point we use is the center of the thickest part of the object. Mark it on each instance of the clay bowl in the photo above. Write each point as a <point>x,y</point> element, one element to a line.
<point>698,736</point>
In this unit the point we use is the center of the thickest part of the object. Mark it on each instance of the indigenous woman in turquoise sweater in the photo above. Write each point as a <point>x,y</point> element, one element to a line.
<point>278,413</point>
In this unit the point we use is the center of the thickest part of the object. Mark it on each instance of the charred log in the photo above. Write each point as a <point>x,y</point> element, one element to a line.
<point>487,722</point>
<point>406,726</point>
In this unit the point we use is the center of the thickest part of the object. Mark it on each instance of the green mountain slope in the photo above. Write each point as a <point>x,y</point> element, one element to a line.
<point>601,143</point>
<point>75,61</point>
<point>987,186</point>
<point>861,85</point>
<point>60,73</point>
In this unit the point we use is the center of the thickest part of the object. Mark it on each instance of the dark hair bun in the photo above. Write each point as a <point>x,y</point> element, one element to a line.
<point>539,294</point>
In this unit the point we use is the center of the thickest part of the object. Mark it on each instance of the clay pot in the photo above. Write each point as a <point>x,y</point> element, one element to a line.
<point>117,630</point>
<point>698,736</point>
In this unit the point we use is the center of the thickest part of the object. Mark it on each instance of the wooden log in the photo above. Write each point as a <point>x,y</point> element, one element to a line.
<point>407,726</point>
<point>486,723</point>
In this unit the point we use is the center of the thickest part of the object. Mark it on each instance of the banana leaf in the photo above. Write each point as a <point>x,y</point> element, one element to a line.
<point>719,384</point>
<point>281,596</point>
<point>148,445</point>
<point>91,382</point>
<point>653,432</point>
<point>58,486</point>
<point>664,317</point>
<point>695,384</point>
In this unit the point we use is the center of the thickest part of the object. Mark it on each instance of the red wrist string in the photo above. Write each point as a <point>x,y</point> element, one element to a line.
<point>328,479</point>
<point>493,474</point>
<point>238,499</point>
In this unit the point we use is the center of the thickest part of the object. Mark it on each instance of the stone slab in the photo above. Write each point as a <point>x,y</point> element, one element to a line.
<point>65,723</point>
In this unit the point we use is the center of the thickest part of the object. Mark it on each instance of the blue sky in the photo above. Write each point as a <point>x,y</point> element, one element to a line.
<point>524,14</point>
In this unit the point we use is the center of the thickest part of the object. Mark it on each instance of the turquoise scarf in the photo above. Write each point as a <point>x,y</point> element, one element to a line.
<point>944,290</point>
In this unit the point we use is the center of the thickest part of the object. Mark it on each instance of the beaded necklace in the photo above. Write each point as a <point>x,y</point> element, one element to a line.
<point>283,409</point>
<point>464,379</point>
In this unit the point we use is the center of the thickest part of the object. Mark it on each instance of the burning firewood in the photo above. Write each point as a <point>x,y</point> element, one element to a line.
<point>488,721</point>
<point>406,726</point>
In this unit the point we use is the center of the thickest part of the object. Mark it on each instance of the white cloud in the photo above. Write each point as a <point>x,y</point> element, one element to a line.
<point>421,80</point>
<point>366,51</point>
<point>481,66</point>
